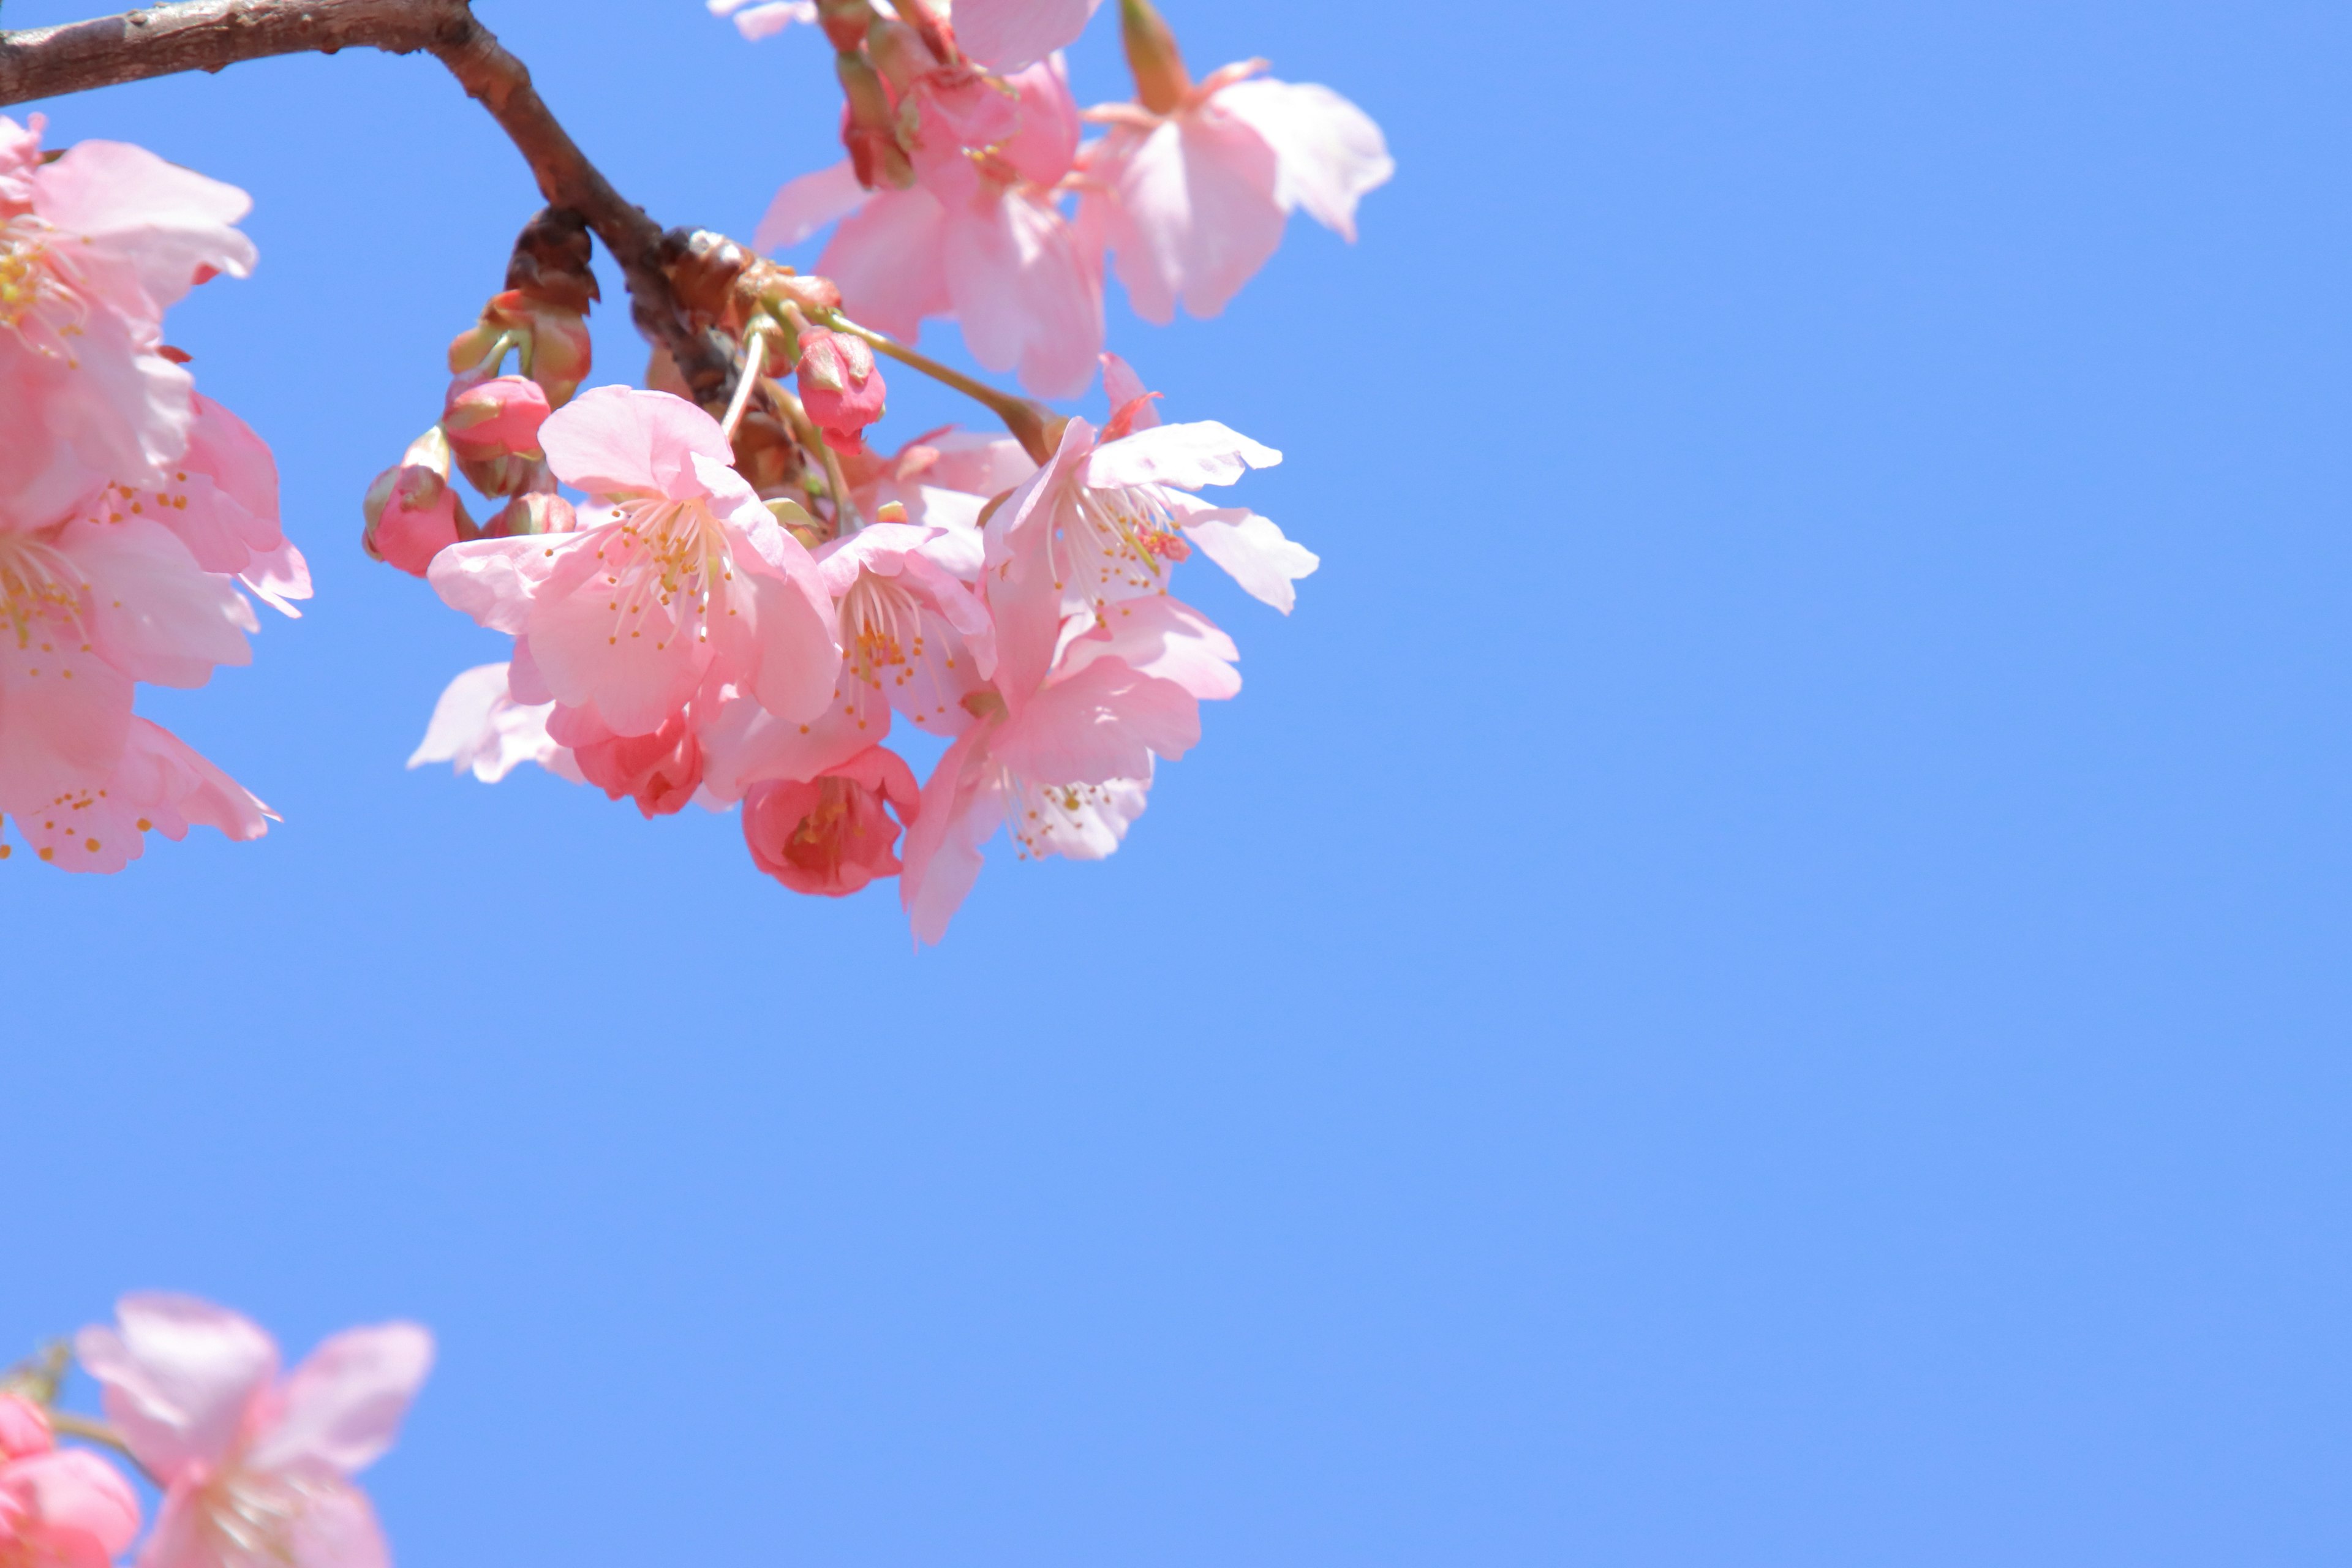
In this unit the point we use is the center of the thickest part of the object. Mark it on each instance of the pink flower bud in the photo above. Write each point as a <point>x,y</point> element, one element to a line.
<point>23,1430</point>
<point>840,386</point>
<point>534,511</point>
<point>832,835</point>
<point>495,418</point>
<point>412,513</point>
<point>660,772</point>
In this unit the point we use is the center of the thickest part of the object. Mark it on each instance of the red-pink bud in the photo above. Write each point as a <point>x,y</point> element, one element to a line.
<point>24,1429</point>
<point>841,387</point>
<point>832,835</point>
<point>660,772</point>
<point>496,418</point>
<point>412,513</point>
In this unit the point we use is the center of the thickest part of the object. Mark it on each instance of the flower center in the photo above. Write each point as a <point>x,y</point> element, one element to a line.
<point>38,302</point>
<point>256,1514</point>
<point>40,592</point>
<point>1121,545</point>
<point>664,565</point>
<point>881,629</point>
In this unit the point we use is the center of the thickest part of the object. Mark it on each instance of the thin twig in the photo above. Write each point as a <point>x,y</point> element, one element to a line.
<point>208,35</point>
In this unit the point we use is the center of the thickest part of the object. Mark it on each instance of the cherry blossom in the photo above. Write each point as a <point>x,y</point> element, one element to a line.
<point>840,386</point>
<point>93,248</point>
<point>916,641</point>
<point>1191,189</point>
<point>833,834</point>
<point>979,235</point>
<point>677,571</point>
<point>1066,763</point>
<point>59,1508</point>
<point>257,1469</point>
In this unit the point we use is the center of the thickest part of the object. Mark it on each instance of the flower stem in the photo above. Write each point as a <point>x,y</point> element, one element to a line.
<point>1032,424</point>
<point>66,1423</point>
<point>845,521</point>
<point>755,366</point>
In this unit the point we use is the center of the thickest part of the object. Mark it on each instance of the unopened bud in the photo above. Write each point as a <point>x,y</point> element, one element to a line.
<point>412,513</point>
<point>532,512</point>
<point>1161,80</point>
<point>796,520</point>
<point>558,353</point>
<point>870,128</point>
<point>840,386</point>
<point>494,418</point>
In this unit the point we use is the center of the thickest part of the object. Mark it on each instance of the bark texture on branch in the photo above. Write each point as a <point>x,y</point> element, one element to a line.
<point>207,34</point>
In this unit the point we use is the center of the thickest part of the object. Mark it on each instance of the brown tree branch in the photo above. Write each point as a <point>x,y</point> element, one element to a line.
<point>207,34</point>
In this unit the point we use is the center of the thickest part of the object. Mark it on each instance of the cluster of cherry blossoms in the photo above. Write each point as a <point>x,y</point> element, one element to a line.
<point>721,593</point>
<point>254,1470</point>
<point>132,507</point>
<point>749,595</point>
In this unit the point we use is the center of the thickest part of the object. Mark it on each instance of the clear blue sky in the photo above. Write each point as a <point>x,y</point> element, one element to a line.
<point>1759,975</point>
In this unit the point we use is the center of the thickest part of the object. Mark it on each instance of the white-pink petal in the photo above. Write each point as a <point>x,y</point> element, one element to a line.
<point>178,1376</point>
<point>344,1405</point>
<point>1327,152</point>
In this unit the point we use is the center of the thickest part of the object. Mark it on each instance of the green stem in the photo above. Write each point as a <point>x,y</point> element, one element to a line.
<point>1031,423</point>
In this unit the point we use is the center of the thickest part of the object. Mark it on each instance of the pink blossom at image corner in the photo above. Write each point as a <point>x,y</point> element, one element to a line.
<point>59,1508</point>
<point>257,1469</point>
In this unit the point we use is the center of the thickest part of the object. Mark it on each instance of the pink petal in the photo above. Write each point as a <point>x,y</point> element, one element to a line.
<point>179,1377</point>
<point>1254,552</point>
<point>1005,35</point>
<point>1026,292</point>
<point>616,439</point>
<point>1202,452</point>
<point>344,1405</point>
<point>806,203</point>
<point>167,224</point>
<point>1202,215</point>
<point>940,859</point>
<point>156,614</point>
<point>888,260</point>
<point>1327,152</point>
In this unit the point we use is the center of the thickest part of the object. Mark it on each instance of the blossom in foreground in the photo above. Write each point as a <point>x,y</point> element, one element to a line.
<point>1193,185</point>
<point>1066,763</point>
<point>59,1508</point>
<point>677,575</point>
<point>94,247</point>
<point>132,509</point>
<point>256,1470</point>
<point>915,641</point>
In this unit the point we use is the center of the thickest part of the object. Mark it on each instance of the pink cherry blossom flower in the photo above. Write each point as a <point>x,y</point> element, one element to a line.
<point>840,386</point>
<point>93,248</point>
<point>1065,764</point>
<point>257,1469</point>
<point>980,236</point>
<point>916,641</point>
<point>659,772</point>
<point>833,834</point>
<point>58,1510</point>
<point>1192,202</point>
<point>677,574</point>
<point>477,726</point>
<point>159,784</point>
<point>220,499</point>
<point>1105,523</point>
<point>1250,548</point>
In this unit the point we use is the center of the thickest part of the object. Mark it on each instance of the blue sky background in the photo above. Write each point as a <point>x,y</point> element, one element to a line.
<point>1759,975</point>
